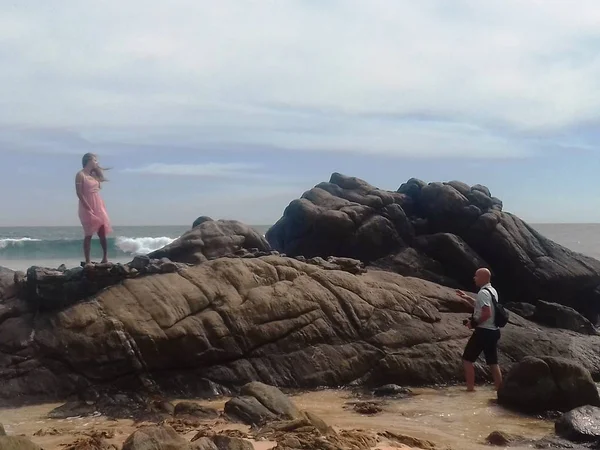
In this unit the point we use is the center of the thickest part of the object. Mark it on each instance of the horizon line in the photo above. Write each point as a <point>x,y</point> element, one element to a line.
<point>255,224</point>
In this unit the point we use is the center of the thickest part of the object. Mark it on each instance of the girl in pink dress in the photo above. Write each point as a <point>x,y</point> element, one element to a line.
<point>92,211</point>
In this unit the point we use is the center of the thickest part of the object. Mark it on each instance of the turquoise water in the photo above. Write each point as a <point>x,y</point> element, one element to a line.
<point>22,247</point>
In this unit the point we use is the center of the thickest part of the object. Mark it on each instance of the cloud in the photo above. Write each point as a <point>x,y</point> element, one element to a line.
<point>207,170</point>
<point>340,75</point>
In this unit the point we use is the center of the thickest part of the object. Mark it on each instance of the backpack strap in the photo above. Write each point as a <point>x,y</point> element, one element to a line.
<point>494,301</point>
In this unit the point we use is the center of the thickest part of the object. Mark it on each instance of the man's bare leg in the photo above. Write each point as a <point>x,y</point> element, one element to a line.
<point>497,375</point>
<point>469,375</point>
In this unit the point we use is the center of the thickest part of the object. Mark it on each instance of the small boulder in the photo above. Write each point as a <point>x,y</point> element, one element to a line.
<point>525,310</point>
<point>212,239</point>
<point>367,408</point>
<point>536,385</point>
<point>273,399</point>
<point>391,390</point>
<point>248,410</point>
<point>162,405</point>
<point>480,199</point>
<point>319,423</point>
<point>139,262</point>
<point>157,438</point>
<point>483,189</point>
<point>438,199</point>
<point>192,409</point>
<point>580,425</point>
<point>560,316</point>
<point>501,439</point>
<point>412,187</point>
<point>17,443</point>
<point>461,187</point>
<point>200,220</point>
<point>204,443</point>
<point>72,409</point>
<point>223,442</point>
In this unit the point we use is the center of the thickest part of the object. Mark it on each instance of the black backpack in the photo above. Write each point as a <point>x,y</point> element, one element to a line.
<point>501,314</point>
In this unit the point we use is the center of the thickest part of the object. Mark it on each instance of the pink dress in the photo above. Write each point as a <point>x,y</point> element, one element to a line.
<point>95,219</point>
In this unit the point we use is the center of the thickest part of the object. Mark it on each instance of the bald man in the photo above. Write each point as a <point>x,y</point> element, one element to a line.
<point>486,334</point>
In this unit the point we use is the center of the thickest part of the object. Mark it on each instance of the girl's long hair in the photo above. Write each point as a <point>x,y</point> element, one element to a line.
<point>98,172</point>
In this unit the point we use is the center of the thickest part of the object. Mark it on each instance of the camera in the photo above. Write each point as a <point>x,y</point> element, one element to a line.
<point>471,320</point>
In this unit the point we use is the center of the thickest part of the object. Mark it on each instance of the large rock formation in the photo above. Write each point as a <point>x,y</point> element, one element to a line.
<point>440,232</point>
<point>235,320</point>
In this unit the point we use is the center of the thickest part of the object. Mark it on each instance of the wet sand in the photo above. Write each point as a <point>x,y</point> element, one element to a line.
<point>449,417</point>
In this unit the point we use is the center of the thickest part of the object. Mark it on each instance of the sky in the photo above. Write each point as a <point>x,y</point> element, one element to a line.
<point>232,109</point>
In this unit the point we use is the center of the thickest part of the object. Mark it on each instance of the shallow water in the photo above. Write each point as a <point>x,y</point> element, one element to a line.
<point>449,417</point>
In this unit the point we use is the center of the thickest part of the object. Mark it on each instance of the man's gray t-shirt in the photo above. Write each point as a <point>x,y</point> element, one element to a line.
<point>485,299</point>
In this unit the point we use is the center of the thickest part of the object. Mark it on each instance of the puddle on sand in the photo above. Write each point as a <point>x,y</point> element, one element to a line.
<point>450,417</point>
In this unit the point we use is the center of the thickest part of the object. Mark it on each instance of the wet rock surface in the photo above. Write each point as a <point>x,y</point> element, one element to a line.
<point>506,440</point>
<point>392,390</point>
<point>580,425</point>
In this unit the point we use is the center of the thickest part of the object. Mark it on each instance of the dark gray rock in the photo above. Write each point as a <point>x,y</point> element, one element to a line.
<point>392,390</point>
<point>273,399</point>
<point>200,220</point>
<point>457,258</point>
<point>501,439</point>
<point>212,239</point>
<point>51,289</point>
<point>411,262</point>
<point>72,409</point>
<point>525,310</point>
<point>412,188</point>
<point>140,262</point>
<point>482,189</point>
<point>260,403</point>
<point>231,443</point>
<point>461,187</point>
<point>560,316</point>
<point>536,385</point>
<point>350,218</point>
<point>17,443</point>
<point>248,410</point>
<point>192,409</point>
<point>160,437</point>
<point>580,425</point>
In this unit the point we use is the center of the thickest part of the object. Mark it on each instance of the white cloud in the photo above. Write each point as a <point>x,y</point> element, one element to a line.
<point>207,170</point>
<point>199,71</point>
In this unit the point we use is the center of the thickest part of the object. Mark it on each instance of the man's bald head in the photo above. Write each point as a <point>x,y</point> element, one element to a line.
<point>482,277</point>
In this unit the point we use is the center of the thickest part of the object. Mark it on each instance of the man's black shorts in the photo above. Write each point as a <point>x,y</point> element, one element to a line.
<point>483,340</point>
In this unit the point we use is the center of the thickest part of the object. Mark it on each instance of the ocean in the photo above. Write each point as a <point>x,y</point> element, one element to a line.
<point>22,247</point>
